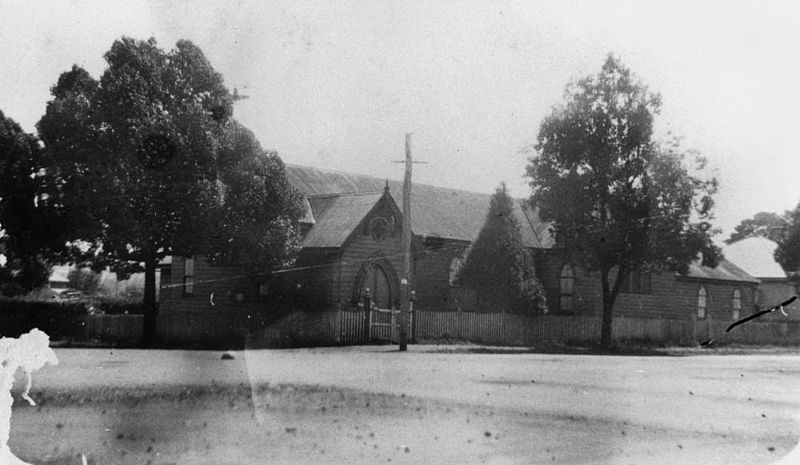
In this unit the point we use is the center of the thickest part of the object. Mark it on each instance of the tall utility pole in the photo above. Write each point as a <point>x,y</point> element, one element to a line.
<point>405,279</point>
<point>405,285</point>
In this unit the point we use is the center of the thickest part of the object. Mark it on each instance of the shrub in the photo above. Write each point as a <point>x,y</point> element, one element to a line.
<point>497,264</point>
<point>84,280</point>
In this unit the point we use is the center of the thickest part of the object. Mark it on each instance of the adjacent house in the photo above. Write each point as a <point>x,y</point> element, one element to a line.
<point>756,255</point>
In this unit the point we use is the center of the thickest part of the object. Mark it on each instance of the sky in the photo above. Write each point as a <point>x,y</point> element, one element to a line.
<point>338,84</point>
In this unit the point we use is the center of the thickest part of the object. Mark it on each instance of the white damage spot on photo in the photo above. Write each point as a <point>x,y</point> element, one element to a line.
<point>29,352</point>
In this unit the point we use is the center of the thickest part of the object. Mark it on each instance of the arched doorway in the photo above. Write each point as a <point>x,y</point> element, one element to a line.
<point>378,275</point>
<point>381,318</point>
<point>378,283</point>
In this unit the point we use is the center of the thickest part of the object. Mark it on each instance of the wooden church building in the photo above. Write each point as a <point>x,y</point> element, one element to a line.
<point>351,247</point>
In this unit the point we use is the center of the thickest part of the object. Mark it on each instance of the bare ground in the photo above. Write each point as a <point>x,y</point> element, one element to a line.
<point>331,406</point>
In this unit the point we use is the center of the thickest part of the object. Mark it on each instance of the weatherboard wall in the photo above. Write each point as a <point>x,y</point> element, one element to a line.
<point>218,310</point>
<point>432,283</point>
<point>671,297</point>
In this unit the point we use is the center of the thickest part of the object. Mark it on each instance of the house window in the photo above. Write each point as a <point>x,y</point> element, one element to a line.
<point>188,276</point>
<point>566,288</point>
<point>455,265</point>
<point>702,301</point>
<point>637,282</point>
<point>737,304</point>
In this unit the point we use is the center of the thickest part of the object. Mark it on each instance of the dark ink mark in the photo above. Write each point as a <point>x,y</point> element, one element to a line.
<point>752,317</point>
<point>707,342</point>
<point>763,312</point>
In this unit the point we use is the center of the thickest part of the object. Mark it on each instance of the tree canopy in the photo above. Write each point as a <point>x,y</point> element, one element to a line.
<point>84,280</point>
<point>497,264</point>
<point>618,200</point>
<point>152,164</point>
<point>31,223</point>
<point>788,251</point>
<point>762,224</point>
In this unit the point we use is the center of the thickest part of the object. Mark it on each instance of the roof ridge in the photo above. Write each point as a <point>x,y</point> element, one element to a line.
<point>339,194</point>
<point>351,173</point>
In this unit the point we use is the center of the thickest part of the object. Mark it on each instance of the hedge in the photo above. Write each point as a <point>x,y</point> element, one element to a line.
<point>56,318</point>
<point>116,305</point>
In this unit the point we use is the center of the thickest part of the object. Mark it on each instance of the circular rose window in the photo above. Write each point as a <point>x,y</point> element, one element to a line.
<point>379,228</point>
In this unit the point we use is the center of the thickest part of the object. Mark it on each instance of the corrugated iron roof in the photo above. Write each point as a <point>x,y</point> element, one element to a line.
<point>337,216</point>
<point>436,211</point>
<point>756,255</point>
<point>725,271</point>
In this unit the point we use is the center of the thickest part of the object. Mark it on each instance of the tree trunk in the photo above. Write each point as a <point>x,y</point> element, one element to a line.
<point>606,340</point>
<point>150,306</point>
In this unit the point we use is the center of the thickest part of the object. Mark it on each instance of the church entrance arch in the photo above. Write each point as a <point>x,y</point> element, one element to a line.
<point>379,276</point>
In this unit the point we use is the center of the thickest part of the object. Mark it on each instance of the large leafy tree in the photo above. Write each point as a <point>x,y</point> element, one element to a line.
<point>617,200</point>
<point>788,251</point>
<point>258,207</point>
<point>31,221</point>
<point>498,266</point>
<point>762,224</point>
<point>152,164</point>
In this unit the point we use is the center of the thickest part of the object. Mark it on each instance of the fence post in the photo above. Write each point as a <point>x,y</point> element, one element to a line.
<point>393,324</point>
<point>503,327</point>
<point>410,331</point>
<point>458,322</point>
<point>367,314</point>
<point>337,323</point>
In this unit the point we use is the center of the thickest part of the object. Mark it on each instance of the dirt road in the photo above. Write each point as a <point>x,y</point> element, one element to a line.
<point>372,405</point>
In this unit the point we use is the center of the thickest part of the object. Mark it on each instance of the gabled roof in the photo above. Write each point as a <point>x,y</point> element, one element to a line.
<point>756,255</point>
<point>339,201</point>
<point>435,212</point>
<point>725,271</point>
<point>337,216</point>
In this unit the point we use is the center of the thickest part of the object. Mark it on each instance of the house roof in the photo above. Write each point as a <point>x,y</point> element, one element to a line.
<point>336,216</point>
<point>725,271</point>
<point>59,274</point>
<point>436,211</point>
<point>756,255</point>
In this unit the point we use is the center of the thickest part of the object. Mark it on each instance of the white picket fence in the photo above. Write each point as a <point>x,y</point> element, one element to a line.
<point>348,325</point>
